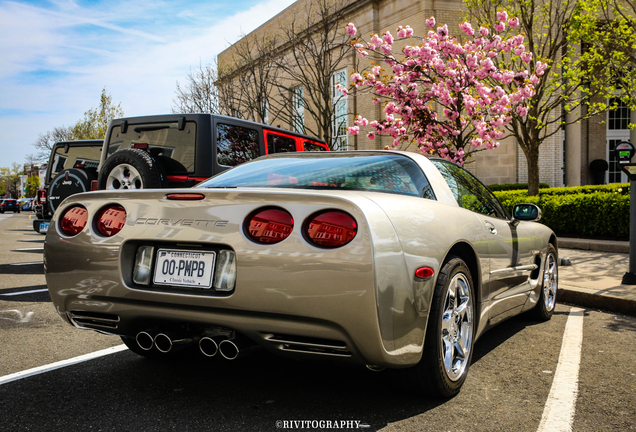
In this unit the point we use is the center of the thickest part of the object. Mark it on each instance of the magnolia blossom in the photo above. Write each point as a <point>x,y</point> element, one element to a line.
<point>443,94</point>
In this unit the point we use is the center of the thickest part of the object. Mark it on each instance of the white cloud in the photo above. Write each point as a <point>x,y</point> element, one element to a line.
<point>55,60</point>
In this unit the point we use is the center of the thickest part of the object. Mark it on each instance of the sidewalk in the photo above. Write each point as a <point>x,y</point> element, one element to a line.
<point>594,279</point>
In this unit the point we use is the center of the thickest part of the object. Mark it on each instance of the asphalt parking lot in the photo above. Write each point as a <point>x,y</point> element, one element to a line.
<point>518,369</point>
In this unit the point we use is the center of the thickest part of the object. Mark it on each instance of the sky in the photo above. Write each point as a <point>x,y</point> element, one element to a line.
<point>57,56</point>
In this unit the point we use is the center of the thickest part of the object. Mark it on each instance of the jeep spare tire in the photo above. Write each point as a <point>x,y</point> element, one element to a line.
<point>131,169</point>
<point>68,182</point>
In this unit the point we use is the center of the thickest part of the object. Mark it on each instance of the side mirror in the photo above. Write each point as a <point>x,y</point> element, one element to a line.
<point>526,212</point>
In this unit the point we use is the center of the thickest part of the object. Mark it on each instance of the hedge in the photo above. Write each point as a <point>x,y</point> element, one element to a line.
<point>589,211</point>
<point>513,186</point>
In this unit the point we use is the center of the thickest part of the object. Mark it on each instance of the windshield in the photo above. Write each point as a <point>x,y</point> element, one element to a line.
<point>388,173</point>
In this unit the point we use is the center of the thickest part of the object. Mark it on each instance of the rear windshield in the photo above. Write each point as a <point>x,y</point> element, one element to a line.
<point>86,157</point>
<point>395,174</point>
<point>174,148</point>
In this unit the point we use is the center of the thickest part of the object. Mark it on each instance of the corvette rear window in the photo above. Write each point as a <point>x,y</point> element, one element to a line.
<point>395,174</point>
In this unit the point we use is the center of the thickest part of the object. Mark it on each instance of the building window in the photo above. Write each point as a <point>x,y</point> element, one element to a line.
<point>617,131</point>
<point>618,118</point>
<point>341,108</point>
<point>266,111</point>
<point>298,110</point>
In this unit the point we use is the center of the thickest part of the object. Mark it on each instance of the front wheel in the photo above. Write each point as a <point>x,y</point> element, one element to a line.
<point>450,334</point>
<point>549,287</point>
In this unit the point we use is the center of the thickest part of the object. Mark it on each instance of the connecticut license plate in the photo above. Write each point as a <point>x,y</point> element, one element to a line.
<point>44,227</point>
<point>184,268</point>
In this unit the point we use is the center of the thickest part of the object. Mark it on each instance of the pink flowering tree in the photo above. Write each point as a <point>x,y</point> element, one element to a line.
<point>445,96</point>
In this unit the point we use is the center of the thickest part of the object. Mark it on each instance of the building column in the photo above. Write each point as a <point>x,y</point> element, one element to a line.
<point>572,158</point>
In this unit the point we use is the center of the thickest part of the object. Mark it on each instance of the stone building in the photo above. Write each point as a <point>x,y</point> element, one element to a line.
<point>564,158</point>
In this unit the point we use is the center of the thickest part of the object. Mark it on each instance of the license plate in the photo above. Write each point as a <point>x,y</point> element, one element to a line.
<point>44,226</point>
<point>193,269</point>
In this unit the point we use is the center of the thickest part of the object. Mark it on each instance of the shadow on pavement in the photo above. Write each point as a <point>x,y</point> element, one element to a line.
<point>27,269</point>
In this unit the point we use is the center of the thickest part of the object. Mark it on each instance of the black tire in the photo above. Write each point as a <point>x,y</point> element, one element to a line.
<point>549,286</point>
<point>431,376</point>
<point>131,169</point>
<point>68,182</point>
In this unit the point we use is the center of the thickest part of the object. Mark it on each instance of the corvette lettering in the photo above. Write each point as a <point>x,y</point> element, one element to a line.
<point>181,222</point>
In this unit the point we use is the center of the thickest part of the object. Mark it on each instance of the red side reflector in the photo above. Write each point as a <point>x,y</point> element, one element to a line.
<point>424,272</point>
<point>330,229</point>
<point>185,196</point>
<point>110,220</point>
<point>73,221</point>
<point>269,225</point>
<point>93,185</point>
<point>142,146</point>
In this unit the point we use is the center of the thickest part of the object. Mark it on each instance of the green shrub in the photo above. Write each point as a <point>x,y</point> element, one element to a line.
<point>513,186</point>
<point>590,211</point>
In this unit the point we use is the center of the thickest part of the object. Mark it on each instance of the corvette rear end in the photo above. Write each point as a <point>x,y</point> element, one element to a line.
<point>296,272</point>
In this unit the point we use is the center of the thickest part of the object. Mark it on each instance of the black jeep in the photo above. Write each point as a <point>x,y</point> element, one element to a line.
<point>181,150</point>
<point>72,169</point>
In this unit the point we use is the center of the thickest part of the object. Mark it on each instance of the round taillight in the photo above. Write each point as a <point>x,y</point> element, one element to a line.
<point>110,220</point>
<point>73,220</point>
<point>330,229</point>
<point>269,225</point>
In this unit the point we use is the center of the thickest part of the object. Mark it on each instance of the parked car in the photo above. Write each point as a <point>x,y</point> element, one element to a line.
<point>25,203</point>
<point>72,169</point>
<point>181,150</point>
<point>9,204</point>
<point>378,258</point>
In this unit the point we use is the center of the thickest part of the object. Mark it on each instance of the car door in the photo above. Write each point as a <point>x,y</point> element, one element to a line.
<point>510,248</point>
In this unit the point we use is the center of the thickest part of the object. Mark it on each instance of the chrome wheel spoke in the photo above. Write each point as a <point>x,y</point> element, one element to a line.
<point>456,325</point>
<point>449,349</point>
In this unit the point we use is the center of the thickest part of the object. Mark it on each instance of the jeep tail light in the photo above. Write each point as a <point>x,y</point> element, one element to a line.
<point>73,221</point>
<point>269,225</point>
<point>42,196</point>
<point>330,229</point>
<point>110,220</point>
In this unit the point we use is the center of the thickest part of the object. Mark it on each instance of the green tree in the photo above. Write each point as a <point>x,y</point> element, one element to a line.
<point>567,90</point>
<point>95,121</point>
<point>92,126</point>
<point>10,180</point>
<point>32,185</point>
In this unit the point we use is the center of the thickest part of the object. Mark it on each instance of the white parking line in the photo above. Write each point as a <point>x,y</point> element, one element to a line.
<point>558,413</point>
<point>57,365</point>
<point>28,249</point>
<point>29,263</point>
<point>24,292</point>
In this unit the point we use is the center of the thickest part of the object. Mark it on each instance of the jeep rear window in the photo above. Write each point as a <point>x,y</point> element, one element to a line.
<point>85,156</point>
<point>173,148</point>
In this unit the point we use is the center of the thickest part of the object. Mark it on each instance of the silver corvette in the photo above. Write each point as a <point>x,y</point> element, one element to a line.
<point>380,258</point>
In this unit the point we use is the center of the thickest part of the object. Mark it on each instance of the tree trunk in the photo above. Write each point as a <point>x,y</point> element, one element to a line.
<point>532,157</point>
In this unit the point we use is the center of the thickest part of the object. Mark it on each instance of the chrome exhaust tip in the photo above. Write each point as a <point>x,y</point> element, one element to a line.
<point>375,368</point>
<point>229,350</point>
<point>208,346</point>
<point>167,342</point>
<point>145,340</point>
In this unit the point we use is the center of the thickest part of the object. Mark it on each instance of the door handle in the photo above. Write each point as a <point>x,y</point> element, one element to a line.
<point>491,228</point>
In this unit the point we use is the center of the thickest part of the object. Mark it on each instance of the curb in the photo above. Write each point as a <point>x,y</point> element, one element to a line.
<point>595,245</point>
<point>594,301</point>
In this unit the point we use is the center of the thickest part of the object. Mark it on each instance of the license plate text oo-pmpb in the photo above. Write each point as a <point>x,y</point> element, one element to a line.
<point>185,268</point>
